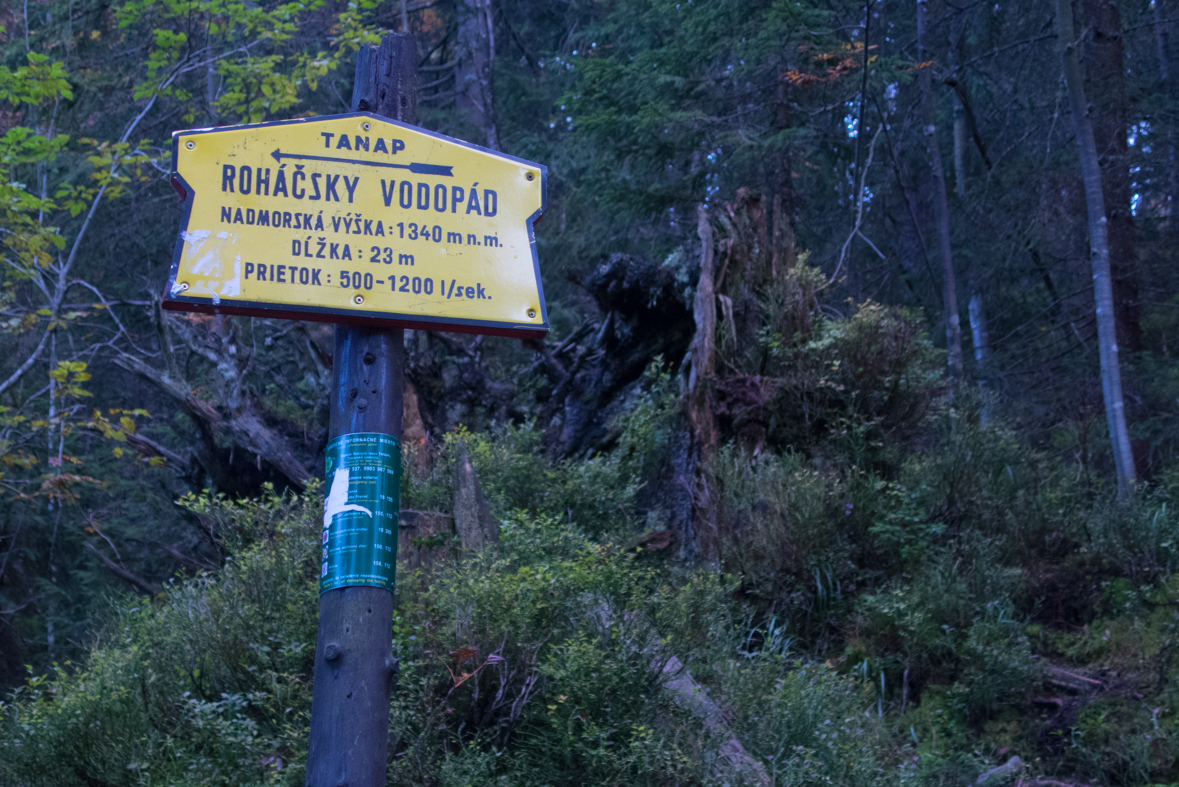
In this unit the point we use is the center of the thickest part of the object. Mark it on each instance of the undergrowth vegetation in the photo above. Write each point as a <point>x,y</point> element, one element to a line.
<point>912,594</point>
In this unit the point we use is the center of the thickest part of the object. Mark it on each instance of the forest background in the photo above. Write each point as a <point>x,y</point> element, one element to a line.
<point>818,479</point>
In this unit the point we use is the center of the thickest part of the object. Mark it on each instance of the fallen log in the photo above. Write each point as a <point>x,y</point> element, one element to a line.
<point>1062,678</point>
<point>735,765</point>
<point>690,696</point>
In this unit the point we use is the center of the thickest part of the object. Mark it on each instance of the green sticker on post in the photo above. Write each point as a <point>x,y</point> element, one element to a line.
<point>363,473</point>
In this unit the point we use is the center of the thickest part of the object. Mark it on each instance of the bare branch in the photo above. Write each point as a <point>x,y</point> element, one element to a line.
<point>859,210</point>
<point>122,573</point>
<point>107,307</point>
<point>24,367</point>
<point>145,445</point>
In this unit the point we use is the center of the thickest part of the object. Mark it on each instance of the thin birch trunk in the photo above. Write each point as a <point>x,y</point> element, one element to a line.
<point>941,207</point>
<point>978,330</point>
<point>1111,374</point>
<point>960,151</point>
<point>1105,83</point>
<point>975,312</point>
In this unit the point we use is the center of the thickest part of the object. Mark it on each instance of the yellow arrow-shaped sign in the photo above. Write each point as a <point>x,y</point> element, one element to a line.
<point>357,219</point>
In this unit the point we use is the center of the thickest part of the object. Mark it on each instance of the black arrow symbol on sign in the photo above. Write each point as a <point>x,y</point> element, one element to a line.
<point>417,169</point>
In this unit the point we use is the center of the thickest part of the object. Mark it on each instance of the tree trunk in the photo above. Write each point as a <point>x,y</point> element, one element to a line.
<point>782,255</point>
<point>1106,71</point>
<point>354,665</point>
<point>487,75</point>
<point>701,412</point>
<point>941,206</point>
<point>978,331</point>
<point>976,311</point>
<point>701,396</point>
<point>475,79</point>
<point>960,152</point>
<point>1111,375</point>
<point>1168,89</point>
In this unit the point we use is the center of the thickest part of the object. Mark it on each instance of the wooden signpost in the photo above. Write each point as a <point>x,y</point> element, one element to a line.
<point>367,221</point>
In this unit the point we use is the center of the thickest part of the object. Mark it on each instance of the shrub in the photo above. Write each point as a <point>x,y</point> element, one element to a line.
<point>1138,535</point>
<point>539,663</point>
<point>595,493</point>
<point>999,669</point>
<point>780,526</point>
<point>876,368</point>
<point>1111,743</point>
<point>553,633</point>
<point>808,723</point>
<point>953,624</point>
<point>208,684</point>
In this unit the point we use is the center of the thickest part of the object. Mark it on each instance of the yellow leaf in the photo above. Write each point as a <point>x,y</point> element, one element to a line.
<point>128,425</point>
<point>118,452</point>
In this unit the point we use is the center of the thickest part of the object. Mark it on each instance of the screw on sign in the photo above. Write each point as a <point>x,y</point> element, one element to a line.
<point>366,221</point>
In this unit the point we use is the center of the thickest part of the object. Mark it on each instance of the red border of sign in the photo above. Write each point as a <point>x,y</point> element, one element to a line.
<point>187,303</point>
